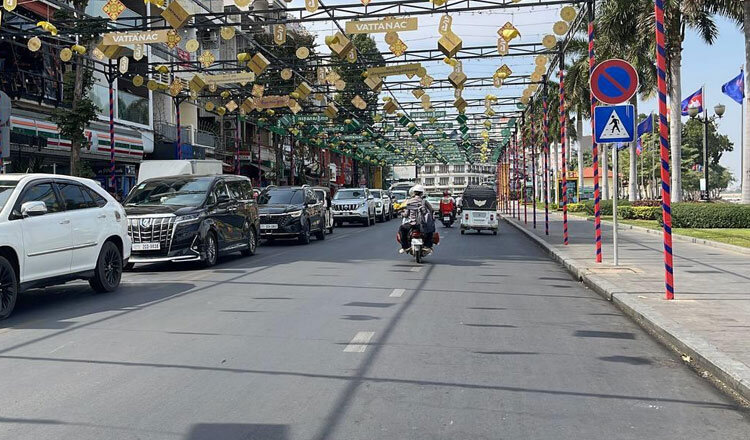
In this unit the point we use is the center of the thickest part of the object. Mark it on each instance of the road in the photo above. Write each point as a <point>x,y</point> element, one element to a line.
<point>345,339</point>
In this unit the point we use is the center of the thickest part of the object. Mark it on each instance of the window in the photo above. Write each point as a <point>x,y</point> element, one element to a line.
<point>458,180</point>
<point>428,169</point>
<point>443,169</point>
<point>42,192</point>
<point>247,189</point>
<point>235,190</point>
<point>429,181</point>
<point>98,200</point>
<point>458,168</point>
<point>219,190</point>
<point>73,197</point>
<point>6,189</point>
<point>443,181</point>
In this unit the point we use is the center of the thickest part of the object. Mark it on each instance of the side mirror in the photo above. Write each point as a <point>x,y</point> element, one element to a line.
<point>223,199</point>
<point>370,197</point>
<point>33,209</point>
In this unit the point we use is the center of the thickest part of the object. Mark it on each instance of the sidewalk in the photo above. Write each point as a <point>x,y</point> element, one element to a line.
<point>709,320</point>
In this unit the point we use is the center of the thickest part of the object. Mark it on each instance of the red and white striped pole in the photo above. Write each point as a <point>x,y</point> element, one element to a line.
<point>595,149</point>
<point>563,145</point>
<point>661,68</point>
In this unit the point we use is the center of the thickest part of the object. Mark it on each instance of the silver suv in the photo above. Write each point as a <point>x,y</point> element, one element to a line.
<point>383,206</point>
<point>354,205</point>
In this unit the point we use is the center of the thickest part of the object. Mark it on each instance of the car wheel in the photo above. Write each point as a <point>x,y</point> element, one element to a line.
<point>252,243</point>
<point>108,270</point>
<point>321,234</point>
<point>382,217</point>
<point>304,236</point>
<point>211,249</point>
<point>8,288</point>
<point>463,232</point>
<point>372,220</point>
<point>494,232</point>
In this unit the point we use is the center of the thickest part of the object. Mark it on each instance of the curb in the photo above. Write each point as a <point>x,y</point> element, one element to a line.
<point>704,357</point>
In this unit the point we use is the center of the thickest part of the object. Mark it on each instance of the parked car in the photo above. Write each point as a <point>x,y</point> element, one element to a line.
<point>291,212</point>
<point>323,195</point>
<point>54,229</point>
<point>383,207</point>
<point>354,205</point>
<point>192,218</point>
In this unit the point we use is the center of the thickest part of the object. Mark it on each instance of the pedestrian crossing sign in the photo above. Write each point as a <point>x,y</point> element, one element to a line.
<point>614,124</point>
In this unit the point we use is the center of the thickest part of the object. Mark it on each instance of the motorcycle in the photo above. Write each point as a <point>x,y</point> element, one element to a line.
<point>416,247</point>
<point>447,219</point>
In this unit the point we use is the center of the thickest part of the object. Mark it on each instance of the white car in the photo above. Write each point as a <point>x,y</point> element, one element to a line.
<point>54,229</point>
<point>383,207</point>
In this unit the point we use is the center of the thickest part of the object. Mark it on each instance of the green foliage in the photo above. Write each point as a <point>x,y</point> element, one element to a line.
<point>639,212</point>
<point>576,207</point>
<point>710,215</point>
<point>605,206</point>
<point>368,56</point>
<point>73,117</point>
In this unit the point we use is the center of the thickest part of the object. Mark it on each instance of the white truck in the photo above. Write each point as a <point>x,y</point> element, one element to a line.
<point>163,168</point>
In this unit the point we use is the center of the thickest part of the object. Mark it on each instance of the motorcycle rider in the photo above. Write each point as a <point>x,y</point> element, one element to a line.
<point>448,206</point>
<point>414,213</point>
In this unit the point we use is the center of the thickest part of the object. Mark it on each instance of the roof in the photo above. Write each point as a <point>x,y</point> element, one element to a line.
<point>23,176</point>
<point>588,173</point>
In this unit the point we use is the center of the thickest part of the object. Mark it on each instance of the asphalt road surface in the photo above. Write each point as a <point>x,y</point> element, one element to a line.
<point>345,339</point>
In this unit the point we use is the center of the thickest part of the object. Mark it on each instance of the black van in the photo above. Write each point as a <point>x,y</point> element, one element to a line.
<point>192,218</point>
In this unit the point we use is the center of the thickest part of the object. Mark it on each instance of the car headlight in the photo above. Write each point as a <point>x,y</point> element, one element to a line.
<point>295,214</point>
<point>379,204</point>
<point>361,205</point>
<point>189,218</point>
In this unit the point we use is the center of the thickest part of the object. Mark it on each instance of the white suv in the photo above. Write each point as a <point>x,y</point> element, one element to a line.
<point>54,229</point>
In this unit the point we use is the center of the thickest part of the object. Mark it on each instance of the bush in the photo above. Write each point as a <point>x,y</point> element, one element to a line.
<point>605,206</point>
<point>645,212</point>
<point>647,203</point>
<point>576,207</point>
<point>626,212</point>
<point>710,215</point>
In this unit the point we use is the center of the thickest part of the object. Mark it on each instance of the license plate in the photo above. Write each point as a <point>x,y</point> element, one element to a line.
<point>446,219</point>
<point>269,226</point>
<point>480,214</point>
<point>416,242</point>
<point>146,246</point>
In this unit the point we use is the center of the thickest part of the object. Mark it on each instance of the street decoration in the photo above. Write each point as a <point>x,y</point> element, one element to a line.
<point>34,44</point>
<point>279,34</point>
<point>401,69</point>
<point>206,59</point>
<point>113,9</point>
<point>175,14</point>
<point>302,53</point>
<point>311,5</point>
<point>138,51</point>
<point>135,37</point>
<point>173,39</point>
<point>241,78</point>
<point>123,65</point>
<point>382,26</point>
<point>47,27</point>
<point>10,5</point>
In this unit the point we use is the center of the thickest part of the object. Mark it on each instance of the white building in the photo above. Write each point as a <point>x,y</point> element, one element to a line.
<point>455,177</point>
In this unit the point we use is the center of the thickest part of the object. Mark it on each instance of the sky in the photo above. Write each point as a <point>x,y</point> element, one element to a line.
<point>702,64</point>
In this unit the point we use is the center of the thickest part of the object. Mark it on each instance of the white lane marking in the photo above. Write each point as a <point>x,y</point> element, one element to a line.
<point>416,269</point>
<point>359,342</point>
<point>397,293</point>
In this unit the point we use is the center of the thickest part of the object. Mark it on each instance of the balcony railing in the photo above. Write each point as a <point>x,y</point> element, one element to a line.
<point>168,132</point>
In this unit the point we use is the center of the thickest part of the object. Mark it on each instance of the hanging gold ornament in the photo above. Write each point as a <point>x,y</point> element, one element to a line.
<point>536,76</point>
<point>192,45</point>
<point>549,41</point>
<point>560,28</point>
<point>47,27</point>
<point>231,106</point>
<point>97,53</point>
<point>421,72</point>
<point>123,65</point>
<point>193,95</point>
<point>286,74</point>
<point>279,34</point>
<point>568,13</point>
<point>209,106</point>
<point>365,2</point>
<point>152,85</point>
<point>398,48</point>
<point>351,57</point>
<point>113,9</point>
<point>503,72</point>
<point>10,5</point>
<point>212,88</point>
<point>340,85</point>
<point>173,39</point>
<point>138,80</point>
<point>227,32</point>
<point>311,5</point>
<point>391,37</point>
<point>242,3</point>
<point>503,47</point>
<point>541,60</point>
<point>225,94</point>
<point>34,44</point>
<point>176,87</point>
<point>508,32</point>
<point>446,21</point>
<point>66,54</point>
<point>206,59</point>
<point>302,53</point>
<point>138,51</point>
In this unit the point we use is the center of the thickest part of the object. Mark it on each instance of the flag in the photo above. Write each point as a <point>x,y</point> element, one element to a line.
<point>735,88</point>
<point>693,101</point>
<point>645,126</point>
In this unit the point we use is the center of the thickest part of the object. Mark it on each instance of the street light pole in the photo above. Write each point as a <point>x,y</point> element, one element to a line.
<point>719,110</point>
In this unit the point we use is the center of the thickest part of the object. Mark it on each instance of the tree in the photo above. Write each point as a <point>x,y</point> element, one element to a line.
<point>78,109</point>
<point>692,146</point>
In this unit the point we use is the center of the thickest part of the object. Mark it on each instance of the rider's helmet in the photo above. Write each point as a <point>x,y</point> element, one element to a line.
<point>446,194</point>
<point>416,190</point>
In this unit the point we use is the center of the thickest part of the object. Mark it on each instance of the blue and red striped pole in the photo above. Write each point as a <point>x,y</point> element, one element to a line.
<point>179,130</point>
<point>661,68</point>
<point>112,181</point>
<point>563,144</point>
<point>545,127</point>
<point>595,149</point>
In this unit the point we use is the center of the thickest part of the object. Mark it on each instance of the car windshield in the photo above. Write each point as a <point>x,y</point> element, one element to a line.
<point>349,194</point>
<point>6,189</point>
<point>399,195</point>
<point>281,197</point>
<point>173,192</point>
<point>376,194</point>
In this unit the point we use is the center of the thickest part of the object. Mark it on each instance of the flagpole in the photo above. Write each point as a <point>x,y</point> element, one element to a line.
<point>742,127</point>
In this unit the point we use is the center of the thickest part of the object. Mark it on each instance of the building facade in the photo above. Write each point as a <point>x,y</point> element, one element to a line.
<point>455,177</point>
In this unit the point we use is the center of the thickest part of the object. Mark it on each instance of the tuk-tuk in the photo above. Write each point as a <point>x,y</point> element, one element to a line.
<point>479,209</point>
